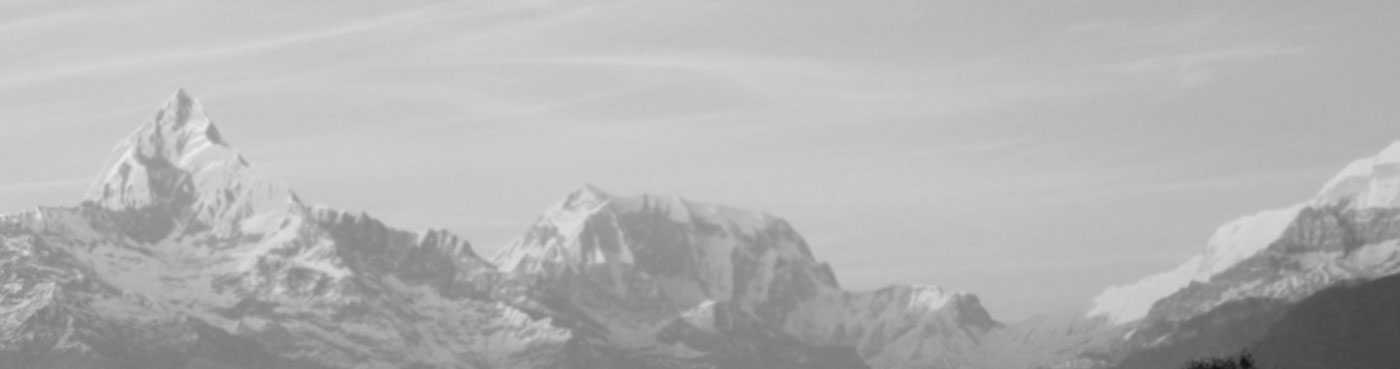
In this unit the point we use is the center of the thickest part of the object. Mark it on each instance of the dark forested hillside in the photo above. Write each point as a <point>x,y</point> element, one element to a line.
<point>1351,326</point>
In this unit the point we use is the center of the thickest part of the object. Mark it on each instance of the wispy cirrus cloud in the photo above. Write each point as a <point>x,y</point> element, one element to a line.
<point>1205,58</point>
<point>155,59</point>
<point>1196,68</point>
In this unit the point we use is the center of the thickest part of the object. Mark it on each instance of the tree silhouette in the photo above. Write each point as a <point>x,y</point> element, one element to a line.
<point>1244,361</point>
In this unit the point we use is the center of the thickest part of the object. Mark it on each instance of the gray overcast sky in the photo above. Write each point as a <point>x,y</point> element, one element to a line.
<point>1032,152</point>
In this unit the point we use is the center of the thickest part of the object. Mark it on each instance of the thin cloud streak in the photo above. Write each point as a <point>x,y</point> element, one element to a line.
<point>1204,58</point>
<point>159,59</point>
<point>1197,68</point>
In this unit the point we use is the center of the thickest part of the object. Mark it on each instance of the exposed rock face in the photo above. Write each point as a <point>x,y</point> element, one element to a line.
<point>1231,244</point>
<point>1324,245</point>
<point>636,268</point>
<point>645,260</point>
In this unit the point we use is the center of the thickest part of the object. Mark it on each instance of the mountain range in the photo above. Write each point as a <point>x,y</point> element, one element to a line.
<point>184,255</point>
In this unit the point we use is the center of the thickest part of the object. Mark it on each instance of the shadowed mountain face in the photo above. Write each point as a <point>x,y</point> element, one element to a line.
<point>1352,326</point>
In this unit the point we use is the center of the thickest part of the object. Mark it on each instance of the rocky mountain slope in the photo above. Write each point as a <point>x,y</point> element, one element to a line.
<point>184,256</point>
<point>639,269</point>
<point>1258,266</point>
<point>1352,325</point>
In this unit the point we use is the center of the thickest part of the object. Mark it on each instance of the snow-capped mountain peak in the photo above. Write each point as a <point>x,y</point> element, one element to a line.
<point>1372,182</point>
<point>179,164</point>
<point>180,135</point>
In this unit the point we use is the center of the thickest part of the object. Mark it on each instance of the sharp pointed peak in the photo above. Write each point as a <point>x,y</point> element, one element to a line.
<point>183,113</point>
<point>179,132</point>
<point>180,154</point>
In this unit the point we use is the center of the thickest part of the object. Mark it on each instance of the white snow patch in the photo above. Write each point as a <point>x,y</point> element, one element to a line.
<point>701,316</point>
<point>322,257</point>
<point>1122,304</point>
<point>929,297</point>
<point>1244,238</point>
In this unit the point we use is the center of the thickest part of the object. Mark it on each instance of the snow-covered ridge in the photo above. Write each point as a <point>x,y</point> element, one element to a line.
<point>1231,244</point>
<point>567,214</point>
<point>1126,303</point>
<point>425,254</point>
<point>614,222</point>
<point>1372,182</point>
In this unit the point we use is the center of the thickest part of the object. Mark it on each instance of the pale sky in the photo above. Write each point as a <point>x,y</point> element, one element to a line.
<point>1032,152</point>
